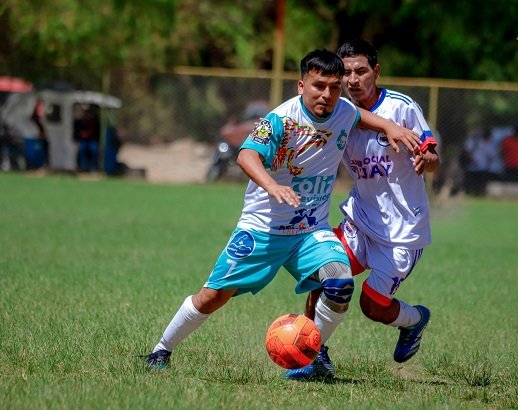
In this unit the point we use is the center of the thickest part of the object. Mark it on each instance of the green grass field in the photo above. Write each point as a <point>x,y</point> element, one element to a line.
<point>92,272</point>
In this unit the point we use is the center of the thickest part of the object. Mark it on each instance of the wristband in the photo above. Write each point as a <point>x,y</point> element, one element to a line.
<point>429,142</point>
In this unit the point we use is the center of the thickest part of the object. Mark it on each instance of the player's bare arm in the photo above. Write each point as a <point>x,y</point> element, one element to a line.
<point>252,165</point>
<point>428,161</point>
<point>394,132</point>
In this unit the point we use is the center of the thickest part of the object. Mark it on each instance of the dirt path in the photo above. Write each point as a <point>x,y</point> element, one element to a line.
<point>184,161</point>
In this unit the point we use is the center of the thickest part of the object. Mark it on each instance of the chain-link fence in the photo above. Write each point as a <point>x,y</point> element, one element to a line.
<point>195,103</point>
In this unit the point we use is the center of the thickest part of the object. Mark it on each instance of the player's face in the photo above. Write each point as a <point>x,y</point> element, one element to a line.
<point>320,93</point>
<point>359,80</point>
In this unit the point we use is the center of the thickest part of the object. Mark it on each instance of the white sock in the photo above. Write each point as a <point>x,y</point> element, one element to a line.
<point>408,316</point>
<point>186,321</point>
<point>326,320</point>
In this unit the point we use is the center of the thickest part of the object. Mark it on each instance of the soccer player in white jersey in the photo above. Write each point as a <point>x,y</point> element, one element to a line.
<point>291,157</point>
<point>386,216</point>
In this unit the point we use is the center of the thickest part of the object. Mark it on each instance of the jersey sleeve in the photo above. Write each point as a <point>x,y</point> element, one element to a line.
<point>265,138</point>
<point>413,119</point>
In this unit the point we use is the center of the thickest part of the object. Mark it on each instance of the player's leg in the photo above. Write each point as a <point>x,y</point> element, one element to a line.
<point>192,313</point>
<point>242,267</point>
<point>327,308</point>
<point>311,302</point>
<point>337,289</point>
<point>390,267</point>
<point>355,247</point>
<point>332,301</point>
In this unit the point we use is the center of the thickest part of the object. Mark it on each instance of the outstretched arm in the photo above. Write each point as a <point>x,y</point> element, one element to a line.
<point>252,165</point>
<point>393,132</point>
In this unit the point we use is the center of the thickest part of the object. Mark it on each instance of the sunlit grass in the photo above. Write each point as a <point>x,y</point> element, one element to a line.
<point>91,273</point>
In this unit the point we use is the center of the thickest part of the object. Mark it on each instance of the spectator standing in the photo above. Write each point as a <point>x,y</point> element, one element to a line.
<point>87,133</point>
<point>510,156</point>
<point>21,115</point>
<point>477,158</point>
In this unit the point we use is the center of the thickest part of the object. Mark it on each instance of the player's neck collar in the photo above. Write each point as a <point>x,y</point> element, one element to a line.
<point>313,118</point>
<point>382,92</point>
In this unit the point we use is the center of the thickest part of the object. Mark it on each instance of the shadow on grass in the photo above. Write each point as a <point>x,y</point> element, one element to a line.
<point>365,380</point>
<point>335,380</point>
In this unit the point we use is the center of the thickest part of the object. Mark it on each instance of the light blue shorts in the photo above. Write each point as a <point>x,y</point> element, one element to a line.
<point>251,259</point>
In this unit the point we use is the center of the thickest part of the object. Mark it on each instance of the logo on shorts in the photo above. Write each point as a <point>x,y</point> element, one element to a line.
<point>325,236</point>
<point>350,229</point>
<point>338,248</point>
<point>241,245</point>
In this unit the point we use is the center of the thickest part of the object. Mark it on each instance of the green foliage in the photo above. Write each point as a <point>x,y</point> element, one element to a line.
<point>465,39</point>
<point>91,273</point>
<point>95,33</point>
<point>221,34</point>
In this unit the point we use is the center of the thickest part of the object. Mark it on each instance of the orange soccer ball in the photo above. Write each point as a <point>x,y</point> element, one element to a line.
<point>292,341</point>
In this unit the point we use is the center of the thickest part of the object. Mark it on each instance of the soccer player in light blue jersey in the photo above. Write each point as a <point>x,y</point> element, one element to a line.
<point>291,157</point>
<point>386,216</point>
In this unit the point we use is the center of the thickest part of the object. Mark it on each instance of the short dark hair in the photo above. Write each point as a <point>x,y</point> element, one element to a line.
<point>322,61</point>
<point>359,47</point>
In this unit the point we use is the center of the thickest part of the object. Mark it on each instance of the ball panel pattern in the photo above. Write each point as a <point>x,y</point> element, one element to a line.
<point>292,341</point>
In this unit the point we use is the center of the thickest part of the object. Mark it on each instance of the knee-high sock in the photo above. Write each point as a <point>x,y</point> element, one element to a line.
<point>326,320</point>
<point>184,322</point>
<point>408,316</point>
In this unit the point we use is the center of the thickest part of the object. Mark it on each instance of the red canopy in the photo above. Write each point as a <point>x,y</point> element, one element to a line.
<point>14,85</point>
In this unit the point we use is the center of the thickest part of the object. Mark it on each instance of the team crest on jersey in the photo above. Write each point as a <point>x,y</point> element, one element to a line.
<point>382,139</point>
<point>341,140</point>
<point>262,132</point>
<point>241,245</point>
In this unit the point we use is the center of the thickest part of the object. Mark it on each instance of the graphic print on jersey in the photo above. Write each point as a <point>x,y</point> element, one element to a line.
<point>293,131</point>
<point>370,167</point>
<point>313,190</point>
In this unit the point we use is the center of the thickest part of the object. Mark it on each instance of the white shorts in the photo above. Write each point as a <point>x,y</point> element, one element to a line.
<point>389,265</point>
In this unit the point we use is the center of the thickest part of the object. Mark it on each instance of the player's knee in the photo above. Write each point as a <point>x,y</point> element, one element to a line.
<point>379,312</point>
<point>337,285</point>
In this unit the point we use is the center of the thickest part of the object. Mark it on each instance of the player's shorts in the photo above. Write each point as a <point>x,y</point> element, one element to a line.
<point>251,259</point>
<point>389,265</point>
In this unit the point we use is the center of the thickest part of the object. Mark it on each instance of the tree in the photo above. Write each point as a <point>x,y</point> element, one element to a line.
<point>465,39</point>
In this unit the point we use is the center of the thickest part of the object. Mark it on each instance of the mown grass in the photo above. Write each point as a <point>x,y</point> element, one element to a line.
<point>91,273</point>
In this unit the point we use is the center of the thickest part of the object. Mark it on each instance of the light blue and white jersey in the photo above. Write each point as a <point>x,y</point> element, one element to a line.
<point>302,152</point>
<point>388,201</point>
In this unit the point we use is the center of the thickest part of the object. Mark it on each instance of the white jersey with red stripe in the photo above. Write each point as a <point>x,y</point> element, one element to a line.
<point>388,201</point>
<point>302,152</point>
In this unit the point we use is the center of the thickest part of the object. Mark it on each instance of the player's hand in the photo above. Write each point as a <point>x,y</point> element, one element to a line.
<point>396,134</point>
<point>429,161</point>
<point>283,194</point>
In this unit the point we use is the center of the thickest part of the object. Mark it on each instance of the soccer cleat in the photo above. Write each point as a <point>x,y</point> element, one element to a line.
<point>158,360</point>
<point>321,368</point>
<point>410,337</point>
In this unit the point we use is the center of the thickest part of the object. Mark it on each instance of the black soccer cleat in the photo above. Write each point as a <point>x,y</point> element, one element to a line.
<point>158,360</point>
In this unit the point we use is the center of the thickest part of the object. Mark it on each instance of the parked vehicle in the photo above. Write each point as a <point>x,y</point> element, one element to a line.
<point>60,111</point>
<point>230,138</point>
